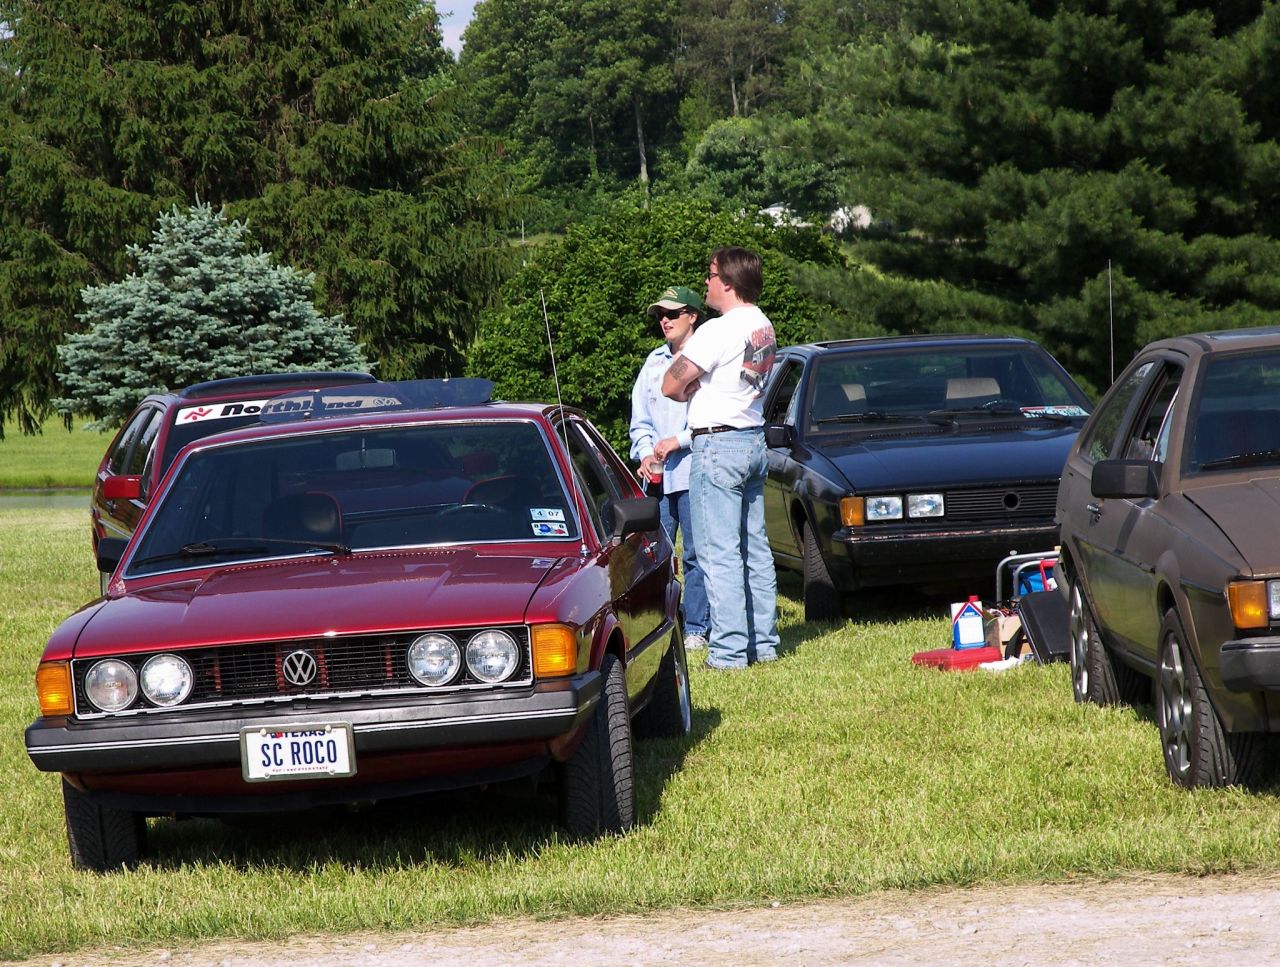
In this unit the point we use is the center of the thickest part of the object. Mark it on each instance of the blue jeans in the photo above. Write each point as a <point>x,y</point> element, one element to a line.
<point>676,515</point>
<point>727,490</point>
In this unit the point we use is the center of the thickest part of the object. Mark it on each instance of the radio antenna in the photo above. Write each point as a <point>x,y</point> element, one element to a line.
<point>1111,313</point>
<point>577,495</point>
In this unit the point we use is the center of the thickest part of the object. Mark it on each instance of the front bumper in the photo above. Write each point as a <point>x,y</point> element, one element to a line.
<point>210,738</point>
<point>897,554</point>
<point>1250,665</point>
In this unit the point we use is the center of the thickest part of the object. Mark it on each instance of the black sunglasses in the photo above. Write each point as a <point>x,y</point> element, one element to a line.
<point>671,313</point>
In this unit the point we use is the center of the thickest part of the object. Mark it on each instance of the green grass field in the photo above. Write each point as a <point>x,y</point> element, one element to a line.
<point>838,771</point>
<point>55,458</point>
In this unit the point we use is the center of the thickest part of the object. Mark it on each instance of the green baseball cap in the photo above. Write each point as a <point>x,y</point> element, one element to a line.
<point>677,297</point>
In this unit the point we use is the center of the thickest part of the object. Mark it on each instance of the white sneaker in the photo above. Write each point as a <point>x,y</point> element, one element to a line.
<point>694,643</point>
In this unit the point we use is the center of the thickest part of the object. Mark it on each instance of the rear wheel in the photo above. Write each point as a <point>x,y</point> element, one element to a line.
<point>597,785</point>
<point>1198,751</point>
<point>669,714</point>
<point>821,599</point>
<point>101,838</point>
<point>1093,669</point>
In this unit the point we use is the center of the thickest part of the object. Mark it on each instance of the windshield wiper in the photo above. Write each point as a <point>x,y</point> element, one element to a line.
<point>1251,459</point>
<point>241,545</point>
<point>871,416</point>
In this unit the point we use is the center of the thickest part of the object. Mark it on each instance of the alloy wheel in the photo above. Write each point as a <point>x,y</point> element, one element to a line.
<point>1079,630</point>
<point>1174,708</point>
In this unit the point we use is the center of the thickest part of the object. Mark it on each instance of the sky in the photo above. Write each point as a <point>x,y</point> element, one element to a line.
<point>454,17</point>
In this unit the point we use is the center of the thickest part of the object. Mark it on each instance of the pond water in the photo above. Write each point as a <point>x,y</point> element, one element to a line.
<point>44,499</point>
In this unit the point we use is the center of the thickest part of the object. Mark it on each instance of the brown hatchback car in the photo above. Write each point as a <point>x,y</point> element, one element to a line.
<point>1171,555</point>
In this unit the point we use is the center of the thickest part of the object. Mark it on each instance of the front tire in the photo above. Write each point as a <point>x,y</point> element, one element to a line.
<point>669,714</point>
<point>821,599</point>
<point>1198,751</point>
<point>101,838</point>
<point>597,785</point>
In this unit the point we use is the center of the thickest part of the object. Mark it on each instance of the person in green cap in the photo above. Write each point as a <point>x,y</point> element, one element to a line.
<point>660,443</point>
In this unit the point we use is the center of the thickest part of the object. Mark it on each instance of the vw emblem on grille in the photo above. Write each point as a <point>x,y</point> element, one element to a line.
<point>299,668</point>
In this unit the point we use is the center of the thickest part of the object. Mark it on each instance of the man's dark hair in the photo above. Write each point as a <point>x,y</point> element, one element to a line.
<point>739,268</point>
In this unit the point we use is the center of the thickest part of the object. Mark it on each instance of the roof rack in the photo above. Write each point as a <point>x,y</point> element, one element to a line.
<point>273,381</point>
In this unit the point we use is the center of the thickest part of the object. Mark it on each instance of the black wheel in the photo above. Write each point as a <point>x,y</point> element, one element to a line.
<point>597,785</point>
<point>1198,751</point>
<point>101,838</point>
<point>669,714</point>
<point>1093,669</point>
<point>821,600</point>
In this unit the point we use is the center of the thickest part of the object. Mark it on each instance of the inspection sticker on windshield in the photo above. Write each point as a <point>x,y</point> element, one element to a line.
<point>546,513</point>
<point>550,528</point>
<point>278,752</point>
<point>1054,411</point>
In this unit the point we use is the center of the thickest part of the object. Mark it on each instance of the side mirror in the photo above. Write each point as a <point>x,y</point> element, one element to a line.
<point>120,487</point>
<point>110,550</point>
<point>1134,479</point>
<point>779,435</point>
<point>634,514</point>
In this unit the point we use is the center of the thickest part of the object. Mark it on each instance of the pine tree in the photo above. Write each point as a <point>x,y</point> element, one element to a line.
<point>200,306</point>
<point>332,126</point>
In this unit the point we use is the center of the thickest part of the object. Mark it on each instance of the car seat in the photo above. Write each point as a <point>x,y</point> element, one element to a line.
<point>312,516</point>
<point>972,390</point>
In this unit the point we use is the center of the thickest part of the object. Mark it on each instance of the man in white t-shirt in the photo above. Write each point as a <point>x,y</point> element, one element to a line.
<point>721,372</point>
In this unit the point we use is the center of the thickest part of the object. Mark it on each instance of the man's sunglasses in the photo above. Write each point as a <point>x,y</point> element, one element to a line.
<point>671,313</point>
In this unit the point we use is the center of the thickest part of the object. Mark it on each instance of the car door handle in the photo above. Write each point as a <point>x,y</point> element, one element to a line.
<point>1094,509</point>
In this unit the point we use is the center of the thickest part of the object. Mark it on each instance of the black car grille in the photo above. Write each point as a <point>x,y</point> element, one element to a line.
<point>1001,503</point>
<point>355,665</point>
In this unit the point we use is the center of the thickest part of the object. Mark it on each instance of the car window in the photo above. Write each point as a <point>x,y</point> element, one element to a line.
<point>138,458</point>
<point>596,485</point>
<point>1141,442</point>
<point>389,486</point>
<point>782,404</point>
<point>858,385</point>
<point>1234,417</point>
<point>118,462</point>
<point>1100,433</point>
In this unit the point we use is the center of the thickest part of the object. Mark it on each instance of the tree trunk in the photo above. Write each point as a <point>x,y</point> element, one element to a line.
<point>644,163</point>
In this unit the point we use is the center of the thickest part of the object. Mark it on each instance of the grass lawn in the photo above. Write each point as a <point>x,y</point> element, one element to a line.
<point>56,458</point>
<point>840,770</point>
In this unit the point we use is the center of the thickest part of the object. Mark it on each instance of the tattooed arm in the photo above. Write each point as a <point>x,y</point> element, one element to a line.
<point>680,381</point>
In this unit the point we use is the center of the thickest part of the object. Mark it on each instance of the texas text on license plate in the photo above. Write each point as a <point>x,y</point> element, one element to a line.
<point>279,752</point>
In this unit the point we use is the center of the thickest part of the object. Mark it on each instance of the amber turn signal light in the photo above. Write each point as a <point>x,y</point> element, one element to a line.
<point>53,687</point>
<point>555,651</point>
<point>853,511</point>
<point>1248,602</point>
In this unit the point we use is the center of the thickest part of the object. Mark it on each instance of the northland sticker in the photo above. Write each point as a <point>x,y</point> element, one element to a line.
<point>549,528</point>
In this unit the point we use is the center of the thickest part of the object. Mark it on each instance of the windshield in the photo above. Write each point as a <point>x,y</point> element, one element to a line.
<point>942,385</point>
<point>1235,418</point>
<point>342,492</point>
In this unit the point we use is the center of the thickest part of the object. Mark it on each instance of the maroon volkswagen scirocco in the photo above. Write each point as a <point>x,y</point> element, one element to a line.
<point>345,603</point>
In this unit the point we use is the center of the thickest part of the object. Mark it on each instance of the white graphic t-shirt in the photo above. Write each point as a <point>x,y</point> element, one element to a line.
<point>736,350</point>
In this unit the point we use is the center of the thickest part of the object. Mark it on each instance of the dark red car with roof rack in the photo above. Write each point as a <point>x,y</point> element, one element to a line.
<point>373,592</point>
<point>164,423</point>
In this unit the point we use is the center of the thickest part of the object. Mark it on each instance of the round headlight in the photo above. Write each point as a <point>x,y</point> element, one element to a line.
<point>166,680</point>
<point>111,685</point>
<point>434,659</point>
<point>492,656</point>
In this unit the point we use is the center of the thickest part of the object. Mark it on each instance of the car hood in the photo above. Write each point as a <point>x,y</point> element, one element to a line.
<point>951,458</point>
<point>1236,507</point>
<point>367,593</point>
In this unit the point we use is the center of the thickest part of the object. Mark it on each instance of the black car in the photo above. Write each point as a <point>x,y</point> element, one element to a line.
<point>1171,567</point>
<point>913,459</point>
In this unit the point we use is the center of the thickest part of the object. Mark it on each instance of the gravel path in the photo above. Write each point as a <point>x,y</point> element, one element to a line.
<point>1219,921</point>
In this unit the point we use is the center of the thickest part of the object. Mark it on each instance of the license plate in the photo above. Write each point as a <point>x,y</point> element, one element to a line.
<point>279,752</point>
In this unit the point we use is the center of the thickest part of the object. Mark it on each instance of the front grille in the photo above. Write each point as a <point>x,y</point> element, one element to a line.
<point>355,665</point>
<point>1001,503</point>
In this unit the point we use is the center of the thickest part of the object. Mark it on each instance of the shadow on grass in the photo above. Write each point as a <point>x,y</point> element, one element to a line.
<point>513,820</point>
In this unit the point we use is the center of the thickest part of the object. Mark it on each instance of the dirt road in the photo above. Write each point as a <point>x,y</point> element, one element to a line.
<point>1220,921</point>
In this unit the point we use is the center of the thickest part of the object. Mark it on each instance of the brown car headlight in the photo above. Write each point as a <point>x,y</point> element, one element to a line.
<point>1254,604</point>
<point>111,685</point>
<point>492,656</point>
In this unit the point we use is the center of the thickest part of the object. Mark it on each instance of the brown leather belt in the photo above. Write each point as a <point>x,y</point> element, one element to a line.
<point>720,429</point>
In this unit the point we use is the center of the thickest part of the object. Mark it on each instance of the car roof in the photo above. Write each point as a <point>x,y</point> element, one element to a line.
<point>920,341</point>
<point>269,384</point>
<point>1220,340</point>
